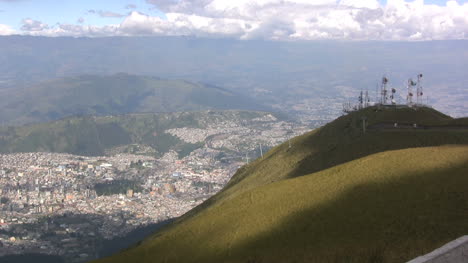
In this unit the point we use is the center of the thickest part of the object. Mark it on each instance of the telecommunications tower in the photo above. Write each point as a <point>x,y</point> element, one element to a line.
<point>409,86</point>
<point>419,90</point>
<point>384,91</point>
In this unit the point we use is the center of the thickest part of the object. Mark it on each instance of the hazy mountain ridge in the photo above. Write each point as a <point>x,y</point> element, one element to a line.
<point>113,94</point>
<point>298,77</point>
<point>354,196</point>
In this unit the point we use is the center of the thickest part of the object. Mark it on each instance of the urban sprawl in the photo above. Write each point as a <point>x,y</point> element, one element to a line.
<point>68,205</point>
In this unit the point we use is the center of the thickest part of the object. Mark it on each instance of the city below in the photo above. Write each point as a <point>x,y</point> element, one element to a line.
<point>68,205</point>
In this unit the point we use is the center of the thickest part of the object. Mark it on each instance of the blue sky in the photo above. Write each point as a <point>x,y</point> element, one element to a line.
<point>69,11</point>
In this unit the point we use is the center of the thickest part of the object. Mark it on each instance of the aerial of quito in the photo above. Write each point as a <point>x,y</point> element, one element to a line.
<point>247,131</point>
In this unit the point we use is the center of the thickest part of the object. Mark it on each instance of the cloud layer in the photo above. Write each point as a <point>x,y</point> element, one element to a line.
<point>282,20</point>
<point>6,30</point>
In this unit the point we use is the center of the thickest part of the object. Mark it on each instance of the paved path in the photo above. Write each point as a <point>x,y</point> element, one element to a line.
<point>453,252</point>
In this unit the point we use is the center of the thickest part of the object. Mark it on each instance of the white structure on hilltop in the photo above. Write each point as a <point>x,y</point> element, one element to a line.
<point>386,96</point>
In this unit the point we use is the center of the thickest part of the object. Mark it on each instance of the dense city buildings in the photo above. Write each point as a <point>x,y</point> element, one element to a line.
<point>67,205</point>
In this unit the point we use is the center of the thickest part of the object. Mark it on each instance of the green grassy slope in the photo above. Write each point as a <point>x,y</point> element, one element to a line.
<point>113,94</point>
<point>342,141</point>
<point>337,195</point>
<point>386,207</point>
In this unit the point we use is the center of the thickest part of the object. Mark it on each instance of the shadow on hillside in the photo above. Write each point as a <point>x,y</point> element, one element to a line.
<point>31,258</point>
<point>52,233</point>
<point>377,222</point>
<point>388,221</point>
<point>117,244</point>
<point>348,147</point>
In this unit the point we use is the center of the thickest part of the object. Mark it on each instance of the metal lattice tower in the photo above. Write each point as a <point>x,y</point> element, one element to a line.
<point>409,97</point>
<point>419,90</point>
<point>384,91</point>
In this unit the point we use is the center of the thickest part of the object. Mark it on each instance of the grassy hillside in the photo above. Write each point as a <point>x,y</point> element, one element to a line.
<point>337,195</point>
<point>113,94</point>
<point>343,140</point>
<point>96,135</point>
<point>387,207</point>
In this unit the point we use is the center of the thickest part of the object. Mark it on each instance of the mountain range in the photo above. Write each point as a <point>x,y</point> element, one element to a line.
<point>277,73</point>
<point>113,95</point>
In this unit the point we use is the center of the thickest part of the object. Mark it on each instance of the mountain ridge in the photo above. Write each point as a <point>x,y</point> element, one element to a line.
<point>114,94</point>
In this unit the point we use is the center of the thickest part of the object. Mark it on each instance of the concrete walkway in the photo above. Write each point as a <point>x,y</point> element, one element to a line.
<point>453,252</point>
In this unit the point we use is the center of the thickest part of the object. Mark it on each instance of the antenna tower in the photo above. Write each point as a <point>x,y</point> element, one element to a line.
<point>366,99</point>
<point>409,97</point>
<point>419,90</point>
<point>384,91</point>
<point>392,97</point>
<point>347,107</point>
<point>361,101</point>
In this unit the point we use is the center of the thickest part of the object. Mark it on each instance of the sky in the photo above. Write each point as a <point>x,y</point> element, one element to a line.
<point>289,20</point>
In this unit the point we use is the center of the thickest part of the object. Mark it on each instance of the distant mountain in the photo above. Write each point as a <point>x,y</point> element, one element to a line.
<point>113,94</point>
<point>131,133</point>
<point>283,74</point>
<point>339,193</point>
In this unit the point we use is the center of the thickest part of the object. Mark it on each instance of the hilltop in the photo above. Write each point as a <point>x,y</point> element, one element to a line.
<point>387,194</point>
<point>113,94</point>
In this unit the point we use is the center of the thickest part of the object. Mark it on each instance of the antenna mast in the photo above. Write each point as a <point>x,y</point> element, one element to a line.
<point>384,91</point>
<point>409,97</point>
<point>361,100</point>
<point>419,90</point>
<point>392,97</point>
<point>366,99</point>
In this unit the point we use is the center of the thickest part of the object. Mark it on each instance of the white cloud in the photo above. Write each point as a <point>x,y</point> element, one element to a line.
<point>104,13</point>
<point>33,25</point>
<point>77,31</point>
<point>109,14</point>
<point>6,30</point>
<point>290,20</point>
<point>371,4</point>
<point>140,24</point>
